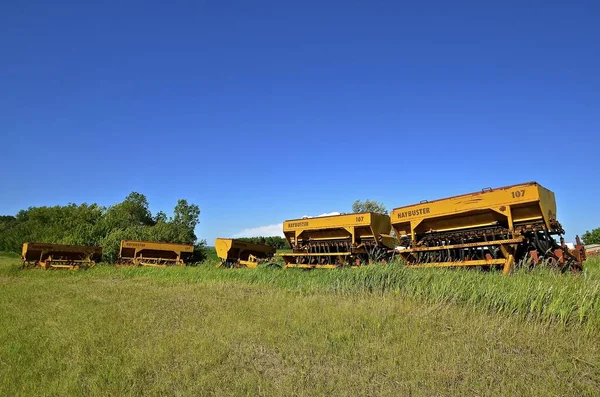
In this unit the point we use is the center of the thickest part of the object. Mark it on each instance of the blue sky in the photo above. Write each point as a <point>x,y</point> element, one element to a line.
<point>268,110</point>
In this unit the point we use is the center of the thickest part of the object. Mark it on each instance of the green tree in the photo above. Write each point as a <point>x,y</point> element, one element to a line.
<point>9,234</point>
<point>160,217</point>
<point>186,217</point>
<point>199,252</point>
<point>369,206</point>
<point>592,237</point>
<point>133,211</point>
<point>95,225</point>
<point>6,220</point>
<point>70,224</point>
<point>186,214</point>
<point>276,242</point>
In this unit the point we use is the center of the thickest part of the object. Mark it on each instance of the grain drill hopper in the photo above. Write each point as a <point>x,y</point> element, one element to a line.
<point>332,241</point>
<point>237,253</point>
<point>494,227</point>
<point>59,256</point>
<point>153,254</point>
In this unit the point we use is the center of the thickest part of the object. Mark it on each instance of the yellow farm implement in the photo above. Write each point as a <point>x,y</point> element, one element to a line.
<point>331,241</point>
<point>494,227</point>
<point>153,254</point>
<point>237,253</point>
<point>59,256</point>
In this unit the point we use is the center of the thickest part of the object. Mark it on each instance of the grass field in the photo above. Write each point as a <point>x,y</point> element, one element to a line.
<point>372,331</point>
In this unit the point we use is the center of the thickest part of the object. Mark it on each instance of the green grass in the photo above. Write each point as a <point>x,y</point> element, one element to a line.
<point>377,330</point>
<point>7,255</point>
<point>540,295</point>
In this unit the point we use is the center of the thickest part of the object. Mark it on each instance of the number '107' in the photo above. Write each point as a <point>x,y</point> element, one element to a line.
<point>518,193</point>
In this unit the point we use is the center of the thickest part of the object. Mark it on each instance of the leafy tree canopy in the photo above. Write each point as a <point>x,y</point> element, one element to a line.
<point>592,237</point>
<point>96,225</point>
<point>276,242</point>
<point>369,206</point>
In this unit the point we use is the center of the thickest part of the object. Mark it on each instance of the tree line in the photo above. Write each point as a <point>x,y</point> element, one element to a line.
<point>276,242</point>
<point>592,237</point>
<point>93,224</point>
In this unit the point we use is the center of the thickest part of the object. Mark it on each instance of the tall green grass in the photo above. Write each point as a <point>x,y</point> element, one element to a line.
<point>538,295</point>
<point>156,333</point>
<point>542,294</point>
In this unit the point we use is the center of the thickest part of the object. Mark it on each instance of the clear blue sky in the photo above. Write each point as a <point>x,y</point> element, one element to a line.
<point>260,111</point>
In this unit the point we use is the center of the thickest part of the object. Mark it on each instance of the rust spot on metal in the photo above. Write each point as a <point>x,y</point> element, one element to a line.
<point>534,255</point>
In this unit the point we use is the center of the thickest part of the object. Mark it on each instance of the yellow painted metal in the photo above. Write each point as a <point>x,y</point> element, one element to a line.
<point>455,264</point>
<point>526,204</point>
<point>357,226</point>
<point>59,256</point>
<point>305,266</point>
<point>153,254</point>
<point>337,239</point>
<point>237,253</point>
<point>517,209</point>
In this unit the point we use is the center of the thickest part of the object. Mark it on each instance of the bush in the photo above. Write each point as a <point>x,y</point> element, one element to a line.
<point>96,225</point>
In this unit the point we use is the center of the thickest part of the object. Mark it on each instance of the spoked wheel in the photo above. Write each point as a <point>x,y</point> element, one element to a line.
<point>378,255</point>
